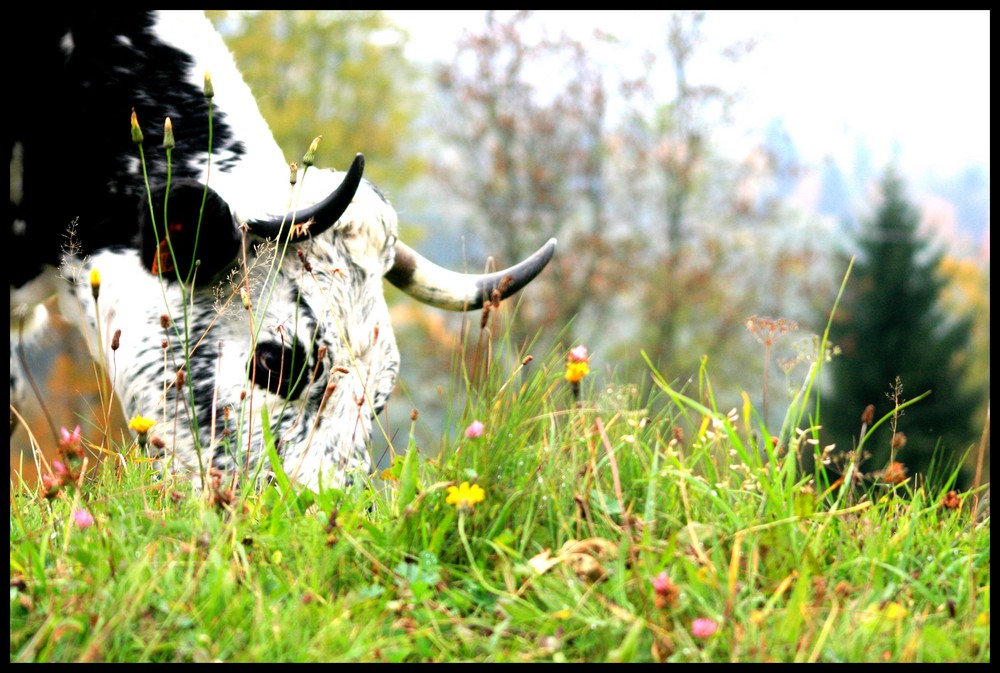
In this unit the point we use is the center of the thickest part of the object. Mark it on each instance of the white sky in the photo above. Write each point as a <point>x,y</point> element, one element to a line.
<point>916,82</point>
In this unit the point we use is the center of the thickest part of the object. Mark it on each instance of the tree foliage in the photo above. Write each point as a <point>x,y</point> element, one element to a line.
<point>894,334</point>
<point>667,243</point>
<point>341,74</point>
<point>527,117</point>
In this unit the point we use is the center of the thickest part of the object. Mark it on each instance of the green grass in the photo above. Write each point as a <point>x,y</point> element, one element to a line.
<point>790,563</point>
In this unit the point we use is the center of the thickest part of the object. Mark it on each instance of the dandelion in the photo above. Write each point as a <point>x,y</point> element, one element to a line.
<point>465,496</point>
<point>136,131</point>
<point>703,627</point>
<point>310,156</point>
<point>141,426</point>
<point>209,89</point>
<point>95,283</point>
<point>665,592</point>
<point>475,430</point>
<point>168,134</point>
<point>83,519</point>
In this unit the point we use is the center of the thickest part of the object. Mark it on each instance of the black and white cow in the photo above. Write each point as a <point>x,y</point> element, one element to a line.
<point>315,349</point>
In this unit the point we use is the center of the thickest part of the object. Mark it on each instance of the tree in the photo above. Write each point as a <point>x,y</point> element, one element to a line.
<point>337,73</point>
<point>532,154</point>
<point>893,332</point>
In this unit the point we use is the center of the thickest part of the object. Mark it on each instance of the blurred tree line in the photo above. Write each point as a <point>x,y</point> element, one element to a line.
<point>667,244</point>
<point>336,73</point>
<point>898,341</point>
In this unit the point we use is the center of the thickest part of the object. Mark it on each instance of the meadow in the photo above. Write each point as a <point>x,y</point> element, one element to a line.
<point>566,516</point>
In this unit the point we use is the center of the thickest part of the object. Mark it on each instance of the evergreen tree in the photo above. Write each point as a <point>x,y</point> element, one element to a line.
<point>890,327</point>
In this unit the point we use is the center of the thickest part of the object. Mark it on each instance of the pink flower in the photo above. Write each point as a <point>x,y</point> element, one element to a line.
<point>474,430</point>
<point>59,468</point>
<point>578,354</point>
<point>83,518</point>
<point>703,627</point>
<point>73,437</point>
<point>665,592</point>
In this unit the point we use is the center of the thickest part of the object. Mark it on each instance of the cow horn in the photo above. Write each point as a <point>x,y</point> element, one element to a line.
<point>425,281</point>
<point>323,214</point>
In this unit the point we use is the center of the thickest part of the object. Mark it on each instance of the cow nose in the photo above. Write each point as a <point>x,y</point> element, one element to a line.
<point>280,369</point>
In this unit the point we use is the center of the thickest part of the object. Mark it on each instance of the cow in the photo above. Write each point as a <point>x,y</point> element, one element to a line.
<point>221,289</point>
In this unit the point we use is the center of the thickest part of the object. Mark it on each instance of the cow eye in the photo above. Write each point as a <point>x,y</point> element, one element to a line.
<point>281,369</point>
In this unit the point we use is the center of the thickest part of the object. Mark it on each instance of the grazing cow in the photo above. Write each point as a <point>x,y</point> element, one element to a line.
<point>229,316</point>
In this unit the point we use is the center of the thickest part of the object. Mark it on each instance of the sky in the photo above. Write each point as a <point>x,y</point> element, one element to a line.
<point>914,85</point>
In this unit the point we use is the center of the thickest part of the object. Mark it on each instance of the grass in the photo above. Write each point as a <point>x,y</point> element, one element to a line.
<point>586,502</point>
<point>615,525</point>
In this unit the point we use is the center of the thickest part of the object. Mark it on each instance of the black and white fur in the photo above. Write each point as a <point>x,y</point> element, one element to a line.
<point>315,352</point>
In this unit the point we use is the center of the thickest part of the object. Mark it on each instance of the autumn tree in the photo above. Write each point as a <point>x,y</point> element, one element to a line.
<point>526,116</point>
<point>339,73</point>
<point>714,237</point>
<point>898,343</point>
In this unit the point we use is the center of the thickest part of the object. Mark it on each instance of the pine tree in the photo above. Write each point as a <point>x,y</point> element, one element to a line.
<point>893,333</point>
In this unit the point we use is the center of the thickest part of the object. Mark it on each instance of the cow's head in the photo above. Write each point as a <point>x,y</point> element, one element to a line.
<point>235,323</point>
<point>283,322</point>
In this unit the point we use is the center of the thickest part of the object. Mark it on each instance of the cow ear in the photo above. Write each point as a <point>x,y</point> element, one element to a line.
<point>193,234</point>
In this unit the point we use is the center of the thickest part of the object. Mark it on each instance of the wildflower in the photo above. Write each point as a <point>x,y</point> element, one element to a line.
<point>51,483</point>
<point>868,415</point>
<point>766,330</point>
<point>95,282</point>
<point>475,430</point>
<point>70,438</point>
<point>209,89</point>
<point>665,592</point>
<point>310,157</point>
<point>465,496</point>
<point>83,519</point>
<point>577,364</point>
<point>575,371</point>
<point>703,627</point>
<point>136,131</point>
<point>950,500</point>
<point>898,441</point>
<point>894,612</point>
<point>168,134</point>
<point>60,469</point>
<point>894,474</point>
<point>141,424</point>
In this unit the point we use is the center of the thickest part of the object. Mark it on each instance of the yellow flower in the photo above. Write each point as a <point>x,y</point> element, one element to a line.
<point>894,611</point>
<point>95,282</point>
<point>136,131</point>
<point>465,496</point>
<point>575,371</point>
<point>141,424</point>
